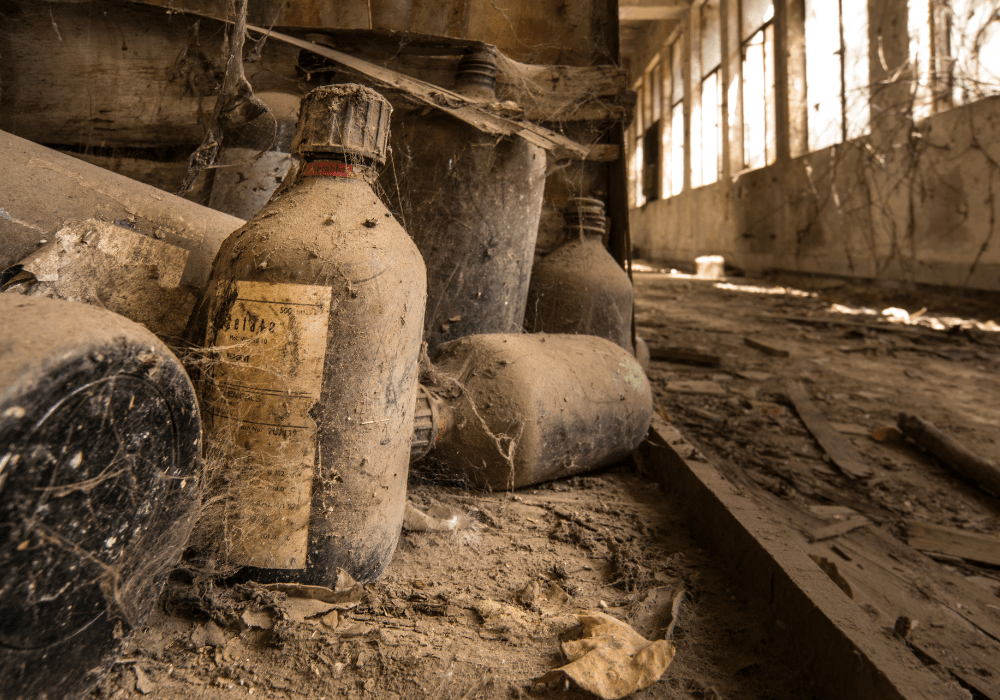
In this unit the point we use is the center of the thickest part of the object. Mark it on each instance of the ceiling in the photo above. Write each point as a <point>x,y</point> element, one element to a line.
<point>638,19</point>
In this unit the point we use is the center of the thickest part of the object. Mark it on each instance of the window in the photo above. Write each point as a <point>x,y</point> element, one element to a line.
<point>653,90</point>
<point>836,41</point>
<point>677,119</point>
<point>954,53</point>
<point>711,93</point>
<point>972,57</point>
<point>637,138</point>
<point>757,37</point>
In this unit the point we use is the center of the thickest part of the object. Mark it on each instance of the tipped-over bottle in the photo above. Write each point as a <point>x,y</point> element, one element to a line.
<point>100,465</point>
<point>509,410</point>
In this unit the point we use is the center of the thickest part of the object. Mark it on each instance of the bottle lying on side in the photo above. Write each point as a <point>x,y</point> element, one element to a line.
<point>506,411</point>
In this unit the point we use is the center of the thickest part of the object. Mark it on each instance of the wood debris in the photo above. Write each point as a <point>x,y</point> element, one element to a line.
<point>840,451</point>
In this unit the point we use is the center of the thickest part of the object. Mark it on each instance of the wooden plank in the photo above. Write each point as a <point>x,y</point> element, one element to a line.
<point>841,452</point>
<point>955,621</point>
<point>890,580</point>
<point>440,98</point>
<point>847,654</point>
<point>685,356</point>
<point>448,18</point>
<point>877,324</point>
<point>137,78</point>
<point>928,537</point>
<point>174,58</point>
<point>766,348</point>
<point>545,93</point>
<point>696,386</point>
<point>952,453</point>
<point>836,529</point>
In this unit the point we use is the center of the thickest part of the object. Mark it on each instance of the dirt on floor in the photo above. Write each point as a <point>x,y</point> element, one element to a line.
<point>480,611</point>
<point>797,400</point>
<point>861,371</point>
<point>477,612</point>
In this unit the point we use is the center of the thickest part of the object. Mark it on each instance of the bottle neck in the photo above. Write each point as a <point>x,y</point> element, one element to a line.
<point>580,232</point>
<point>329,165</point>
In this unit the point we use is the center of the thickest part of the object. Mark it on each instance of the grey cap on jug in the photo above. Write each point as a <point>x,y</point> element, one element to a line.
<point>584,216</point>
<point>347,119</point>
<point>476,77</point>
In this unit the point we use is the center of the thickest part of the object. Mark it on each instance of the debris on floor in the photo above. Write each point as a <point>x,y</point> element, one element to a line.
<point>457,618</point>
<point>811,438</point>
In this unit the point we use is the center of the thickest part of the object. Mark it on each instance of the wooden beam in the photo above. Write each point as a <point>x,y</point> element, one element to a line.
<point>928,537</point>
<point>844,651</point>
<point>952,453</point>
<point>439,98</point>
<point>149,79</point>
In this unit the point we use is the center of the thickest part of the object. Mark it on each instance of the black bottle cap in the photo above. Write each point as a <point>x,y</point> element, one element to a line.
<point>350,120</point>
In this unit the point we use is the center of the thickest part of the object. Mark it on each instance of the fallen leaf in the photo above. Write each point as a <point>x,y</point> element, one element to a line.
<point>611,660</point>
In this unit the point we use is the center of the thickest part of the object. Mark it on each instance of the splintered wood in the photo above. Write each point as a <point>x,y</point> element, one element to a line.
<point>833,443</point>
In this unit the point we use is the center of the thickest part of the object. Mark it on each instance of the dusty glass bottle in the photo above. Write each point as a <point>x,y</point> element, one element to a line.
<point>315,313</point>
<point>578,287</point>
<point>471,201</point>
<point>509,410</point>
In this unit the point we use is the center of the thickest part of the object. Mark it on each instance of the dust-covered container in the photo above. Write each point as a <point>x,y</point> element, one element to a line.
<point>578,287</point>
<point>100,465</point>
<point>471,201</point>
<point>313,321</point>
<point>510,410</point>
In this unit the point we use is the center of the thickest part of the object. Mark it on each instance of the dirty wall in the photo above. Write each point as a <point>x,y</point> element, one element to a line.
<point>928,215</point>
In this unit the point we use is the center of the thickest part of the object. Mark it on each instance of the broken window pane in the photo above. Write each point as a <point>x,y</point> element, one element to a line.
<point>678,73</point>
<point>854,15</point>
<point>651,163</point>
<point>754,103</point>
<point>656,91</point>
<point>632,160</point>
<point>640,199</point>
<point>975,43</point>
<point>639,125</point>
<point>697,145</point>
<point>770,130</point>
<point>918,25</point>
<point>665,91</point>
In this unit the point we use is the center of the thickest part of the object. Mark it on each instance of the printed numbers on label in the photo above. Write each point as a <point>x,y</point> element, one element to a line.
<point>251,323</point>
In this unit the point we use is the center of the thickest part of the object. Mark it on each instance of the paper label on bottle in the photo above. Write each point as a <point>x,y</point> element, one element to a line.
<point>271,347</point>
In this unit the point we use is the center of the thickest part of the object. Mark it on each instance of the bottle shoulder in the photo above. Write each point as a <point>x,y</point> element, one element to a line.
<point>581,257</point>
<point>318,230</point>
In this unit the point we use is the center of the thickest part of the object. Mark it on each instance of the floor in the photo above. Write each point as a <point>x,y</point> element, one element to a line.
<point>480,612</point>
<point>913,543</point>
